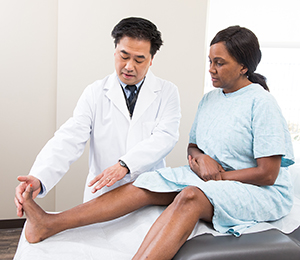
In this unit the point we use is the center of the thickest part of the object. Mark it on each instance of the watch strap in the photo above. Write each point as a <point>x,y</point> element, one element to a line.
<point>123,164</point>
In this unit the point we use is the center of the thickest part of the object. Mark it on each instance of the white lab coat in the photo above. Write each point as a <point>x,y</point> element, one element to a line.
<point>101,115</point>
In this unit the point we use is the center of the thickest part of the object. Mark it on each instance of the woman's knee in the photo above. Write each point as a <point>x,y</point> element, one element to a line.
<point>190,194</point>
<point>192,198</point>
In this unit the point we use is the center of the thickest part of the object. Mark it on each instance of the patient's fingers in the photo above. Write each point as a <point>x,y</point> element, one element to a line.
<point>221,169</point>
<point>194,165</point>
<point>190,160</point>
<point>28,192</point>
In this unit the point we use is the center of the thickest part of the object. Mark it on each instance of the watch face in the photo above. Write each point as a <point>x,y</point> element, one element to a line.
<point>122,164</point>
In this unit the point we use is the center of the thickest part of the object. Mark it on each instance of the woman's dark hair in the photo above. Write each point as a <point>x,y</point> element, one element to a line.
<point>138,28</point>
<point>242,44</point>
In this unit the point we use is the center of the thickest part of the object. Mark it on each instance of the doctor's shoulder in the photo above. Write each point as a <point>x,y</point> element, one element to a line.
<point>93,91</point>
<point>167,87</point>
<point>98,86</point>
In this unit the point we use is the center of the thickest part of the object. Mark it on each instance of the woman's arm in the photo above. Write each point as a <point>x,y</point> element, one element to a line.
<point>265,173</point>
<point>203,165</point>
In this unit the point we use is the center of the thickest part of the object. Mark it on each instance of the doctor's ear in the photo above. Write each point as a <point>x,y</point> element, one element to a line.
<point>151,61</point>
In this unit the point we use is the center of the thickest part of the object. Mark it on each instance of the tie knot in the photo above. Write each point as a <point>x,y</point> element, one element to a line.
<point>132,88</point>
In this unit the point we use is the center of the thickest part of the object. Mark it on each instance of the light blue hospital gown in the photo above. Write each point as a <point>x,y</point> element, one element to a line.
<point>234,129</point>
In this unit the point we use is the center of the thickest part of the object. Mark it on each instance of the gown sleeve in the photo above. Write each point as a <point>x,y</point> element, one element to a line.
<point>270,131</point>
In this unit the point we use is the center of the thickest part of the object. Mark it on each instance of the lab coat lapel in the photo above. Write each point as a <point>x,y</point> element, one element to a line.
<point>116,95</point>
<point>146,96</point>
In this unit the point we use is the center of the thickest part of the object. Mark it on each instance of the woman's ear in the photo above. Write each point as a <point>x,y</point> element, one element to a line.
<point>244,69</point>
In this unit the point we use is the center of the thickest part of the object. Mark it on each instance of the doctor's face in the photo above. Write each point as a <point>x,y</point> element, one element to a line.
<point>132,60</point>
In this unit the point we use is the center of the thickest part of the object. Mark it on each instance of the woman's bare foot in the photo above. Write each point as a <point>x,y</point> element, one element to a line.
<point>37,224</point>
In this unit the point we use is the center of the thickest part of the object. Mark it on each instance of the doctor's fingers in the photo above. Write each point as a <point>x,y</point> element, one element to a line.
<point>96,179</point>
<point>111,182</point>
<point>19,208</point>
<point>29,180</point>
<point>103,182</point>
<point>19,198</point>
<point>19,191</point>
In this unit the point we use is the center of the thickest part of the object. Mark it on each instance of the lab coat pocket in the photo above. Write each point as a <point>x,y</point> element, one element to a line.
<point>148,128</point>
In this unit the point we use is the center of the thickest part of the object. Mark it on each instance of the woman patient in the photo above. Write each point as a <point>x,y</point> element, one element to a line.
<point>238,154</point>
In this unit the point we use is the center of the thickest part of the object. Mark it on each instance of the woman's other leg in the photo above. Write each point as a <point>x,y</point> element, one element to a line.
<point>108,206</point>
<point>176,223</point>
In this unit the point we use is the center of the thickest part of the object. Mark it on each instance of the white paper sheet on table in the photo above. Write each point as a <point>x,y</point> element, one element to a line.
<point>119,239</point>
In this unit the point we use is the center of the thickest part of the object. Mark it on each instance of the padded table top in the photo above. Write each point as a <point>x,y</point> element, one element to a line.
<point>270,244</point>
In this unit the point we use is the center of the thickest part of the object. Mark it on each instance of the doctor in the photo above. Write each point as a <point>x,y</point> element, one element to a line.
<point>131,118</point>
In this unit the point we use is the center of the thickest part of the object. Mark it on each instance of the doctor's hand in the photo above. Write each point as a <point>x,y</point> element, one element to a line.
<point>206,167</point>
<point>25,181</point>
<point>108,177</point>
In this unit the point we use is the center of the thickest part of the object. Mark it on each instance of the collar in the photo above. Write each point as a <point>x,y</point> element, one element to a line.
<point>124,85</point>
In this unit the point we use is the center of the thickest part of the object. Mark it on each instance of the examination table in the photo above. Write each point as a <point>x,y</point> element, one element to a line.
<point>265,245</point>
<point>270,244</point>
<point>119,239</point>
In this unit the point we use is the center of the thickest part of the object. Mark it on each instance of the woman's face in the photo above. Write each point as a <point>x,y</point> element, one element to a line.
<point>225,71</point>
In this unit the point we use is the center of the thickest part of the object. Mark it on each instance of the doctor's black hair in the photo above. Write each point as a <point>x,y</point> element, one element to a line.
<point>242,44</point>
<point>138,28</point>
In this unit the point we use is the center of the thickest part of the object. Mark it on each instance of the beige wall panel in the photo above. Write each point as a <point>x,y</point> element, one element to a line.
<point>51,50</point>
<point>28,91</point>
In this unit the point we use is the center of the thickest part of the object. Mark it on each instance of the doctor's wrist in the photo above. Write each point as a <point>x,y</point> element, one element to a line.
<point>123,164</point>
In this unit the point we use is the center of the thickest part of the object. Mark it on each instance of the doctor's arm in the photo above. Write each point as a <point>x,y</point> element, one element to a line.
<point>59,153</point>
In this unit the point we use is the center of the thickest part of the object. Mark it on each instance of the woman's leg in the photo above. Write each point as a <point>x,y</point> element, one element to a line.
<point>108,206</point>
<point>174,226</point>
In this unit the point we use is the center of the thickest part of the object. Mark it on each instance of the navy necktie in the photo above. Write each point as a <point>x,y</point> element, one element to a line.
<point>131,99</point>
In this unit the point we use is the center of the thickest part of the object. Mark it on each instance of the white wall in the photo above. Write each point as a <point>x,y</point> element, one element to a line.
<point>70,47</point>
<point>28,91</point>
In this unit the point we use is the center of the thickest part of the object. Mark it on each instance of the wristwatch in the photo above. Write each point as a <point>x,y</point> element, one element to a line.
<point>123,164</point>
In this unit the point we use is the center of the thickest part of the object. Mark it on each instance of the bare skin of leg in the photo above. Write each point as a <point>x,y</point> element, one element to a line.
<point>120,201</point>
<point>174,226</point>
